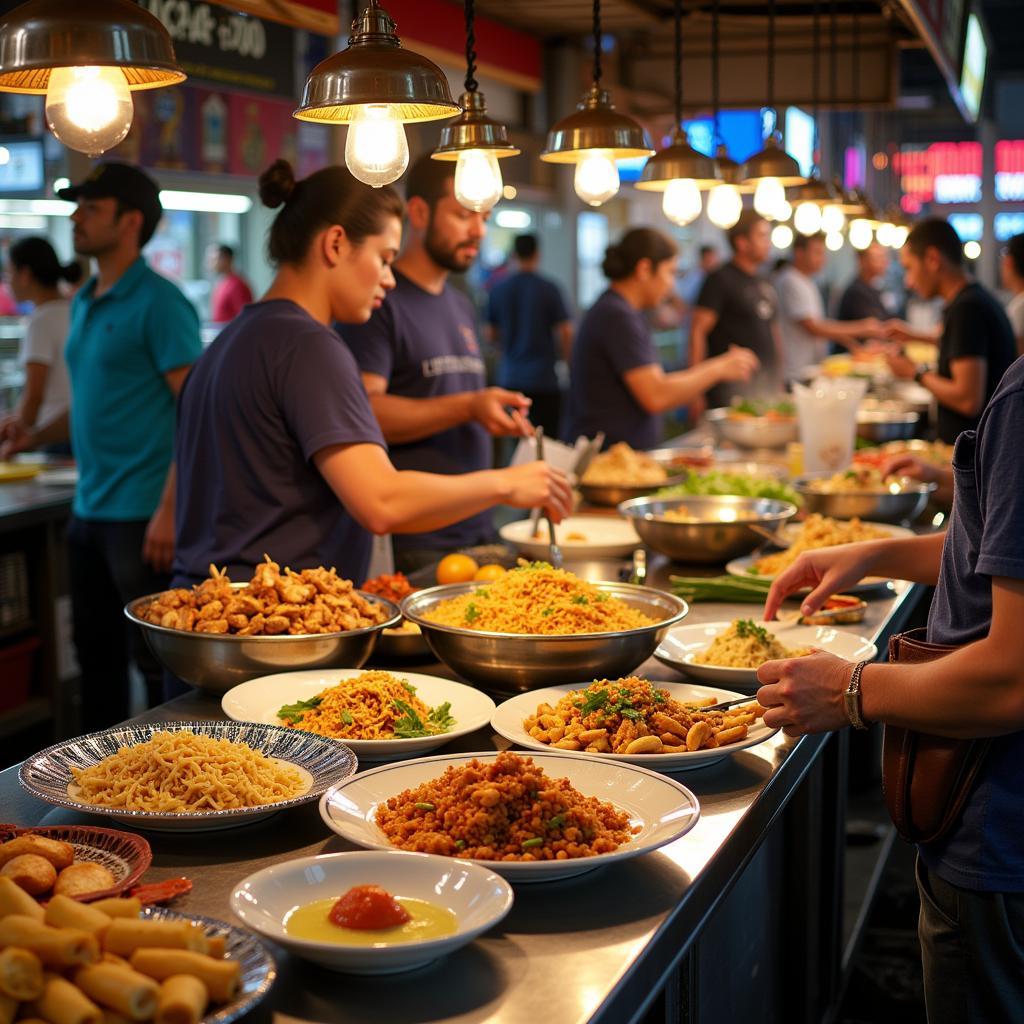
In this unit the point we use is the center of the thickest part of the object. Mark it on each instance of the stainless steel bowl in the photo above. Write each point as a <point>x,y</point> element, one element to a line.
<point>215,662</point>
<point>514,663</point>
<point>752,431</point>
<point>886,421</point>
<point>399,646</point>
<point>722,534</point>
<point>878,507</point>
<point>611,495</point>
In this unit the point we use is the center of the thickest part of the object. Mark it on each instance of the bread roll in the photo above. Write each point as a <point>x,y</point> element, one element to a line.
<point>31,872</point>
<point>83,878</point>
<point>57,852</point>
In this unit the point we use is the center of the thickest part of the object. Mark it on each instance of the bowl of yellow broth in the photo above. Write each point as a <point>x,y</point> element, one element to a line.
<point>446,904</point>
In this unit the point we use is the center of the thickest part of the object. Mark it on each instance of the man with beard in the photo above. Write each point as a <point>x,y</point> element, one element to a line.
<point>132,340</point>
<point>421,363</point>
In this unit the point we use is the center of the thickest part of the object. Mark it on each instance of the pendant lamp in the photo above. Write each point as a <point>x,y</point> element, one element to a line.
<point>375,86</point>
<point>595,135</point>
<point>475,140</point>
<point>87,59</point>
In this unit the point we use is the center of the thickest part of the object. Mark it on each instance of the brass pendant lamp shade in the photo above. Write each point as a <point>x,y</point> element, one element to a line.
<point>41,35</point>
<point>595,124</point>
<point>772,162</point>
<point>730,172</point>
<point>679,160</point>
<point>375,69</point>
<point>473,129</point>
<point>852,203</point>
<point>815,191</point>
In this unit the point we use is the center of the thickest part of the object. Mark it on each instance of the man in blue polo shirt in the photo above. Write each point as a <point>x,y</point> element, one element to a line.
<point>132,340</point>
<point>420,359</point>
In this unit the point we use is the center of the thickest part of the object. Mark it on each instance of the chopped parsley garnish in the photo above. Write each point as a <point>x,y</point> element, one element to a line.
<point>631,713</point>
<point>595,701</point>
<point>347,718</point>
<point>747,628</point>
<point>547,611</point>
<point>580,599</point>
<point>471,612</point>
<point>292,713</point>
<point>410,725</point>
<point>658,696</point>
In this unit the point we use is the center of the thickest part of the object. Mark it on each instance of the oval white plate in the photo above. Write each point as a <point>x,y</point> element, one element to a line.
<point>663,808</point>
<point>258,700</point>
<point>683,643</point>
<point>507,720</point>
<point>605,537</point>
<point>478,898</point>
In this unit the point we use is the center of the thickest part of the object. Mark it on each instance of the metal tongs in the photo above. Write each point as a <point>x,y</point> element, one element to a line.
<point>554,551</point>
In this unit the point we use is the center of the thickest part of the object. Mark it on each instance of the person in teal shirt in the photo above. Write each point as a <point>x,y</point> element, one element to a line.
<point>132,340</point>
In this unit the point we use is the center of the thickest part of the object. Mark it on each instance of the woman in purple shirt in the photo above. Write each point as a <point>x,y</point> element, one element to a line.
<point>278,450</point>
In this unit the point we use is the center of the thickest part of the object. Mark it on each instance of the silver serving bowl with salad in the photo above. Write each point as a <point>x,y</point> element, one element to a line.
<point>610,495</point>
<point>754,424</point>
<point>882,421</point>
<point>705,529</point>
<point>902,502</point>
<point>515,663</point>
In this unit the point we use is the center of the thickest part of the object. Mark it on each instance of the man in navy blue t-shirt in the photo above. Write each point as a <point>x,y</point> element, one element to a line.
<point>420,359</point>
<point>529,323</point>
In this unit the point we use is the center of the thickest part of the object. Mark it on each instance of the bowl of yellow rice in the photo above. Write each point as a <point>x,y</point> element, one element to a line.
<point>538,626</point>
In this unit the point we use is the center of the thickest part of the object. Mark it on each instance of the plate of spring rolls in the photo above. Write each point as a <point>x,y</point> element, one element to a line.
<point>79,963</point>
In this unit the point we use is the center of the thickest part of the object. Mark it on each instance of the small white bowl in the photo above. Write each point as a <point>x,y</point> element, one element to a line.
<point>478,898</point>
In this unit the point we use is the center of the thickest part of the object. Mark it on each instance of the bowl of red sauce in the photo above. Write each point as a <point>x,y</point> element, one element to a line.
<point>376,912</point>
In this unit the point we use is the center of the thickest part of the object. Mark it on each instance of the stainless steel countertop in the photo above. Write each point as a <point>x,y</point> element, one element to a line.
<point>588,949</point>
<point>29,502</point>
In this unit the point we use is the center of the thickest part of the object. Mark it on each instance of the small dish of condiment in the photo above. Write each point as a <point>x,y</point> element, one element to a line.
<point>372,912</point>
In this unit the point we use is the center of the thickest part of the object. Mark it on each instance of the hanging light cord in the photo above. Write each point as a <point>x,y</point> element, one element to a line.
<point>856,56</point>
<point>597,42</point>
<point>771,62</point>
<point>816,76</point>
<point>834,62</point>
<point>679,62</point>
<point>715,104</point>
<point>471,82</point>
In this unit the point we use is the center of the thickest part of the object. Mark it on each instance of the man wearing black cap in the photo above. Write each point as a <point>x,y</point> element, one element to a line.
<point>132,340</point>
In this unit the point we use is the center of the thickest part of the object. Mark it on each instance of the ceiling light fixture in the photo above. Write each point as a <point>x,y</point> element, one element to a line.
<point>725,202</point>
<point>679,171</point>
<point>595,135</point>
<point>87,59</point>
<point>475,140</point>
<point>375,86</point>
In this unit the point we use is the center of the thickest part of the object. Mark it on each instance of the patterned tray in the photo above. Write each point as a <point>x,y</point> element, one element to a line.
<point>125,855</point>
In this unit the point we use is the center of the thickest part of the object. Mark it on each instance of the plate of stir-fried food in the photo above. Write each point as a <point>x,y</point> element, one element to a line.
<point>381,715</point>
<point>660,725</point>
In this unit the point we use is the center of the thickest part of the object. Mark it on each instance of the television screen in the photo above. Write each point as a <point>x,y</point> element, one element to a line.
<point>799,138</point>
<point>21,166</point>
<point>972,77</point>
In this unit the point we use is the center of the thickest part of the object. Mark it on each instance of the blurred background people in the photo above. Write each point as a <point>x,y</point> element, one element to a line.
<point>1012,272</point>
<point>865,295</point>
<point>231,293</point>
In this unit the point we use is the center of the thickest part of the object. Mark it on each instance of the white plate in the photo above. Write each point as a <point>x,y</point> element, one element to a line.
<point>478,898</point>
<point>507,720</point>
<point>743,566</point>
<point>606,537</point>
<point>258,700</point>
<point>683,643</point>
<point>60,476</point>
<point>663,808</point>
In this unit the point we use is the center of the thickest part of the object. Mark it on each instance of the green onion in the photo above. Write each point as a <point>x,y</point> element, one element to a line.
<point>557,821</point>
<point>460,844</point>
<point>424,807</point>
<point>734,589</point>
<point>536,841</point>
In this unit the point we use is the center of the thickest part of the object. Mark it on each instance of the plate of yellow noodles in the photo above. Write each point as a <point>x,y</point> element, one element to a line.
<point>187,776</point>
<point>730,653</point>
<point>382,715</point>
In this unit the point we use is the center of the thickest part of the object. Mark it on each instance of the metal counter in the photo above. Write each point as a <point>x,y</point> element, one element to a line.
<point>735,921</point>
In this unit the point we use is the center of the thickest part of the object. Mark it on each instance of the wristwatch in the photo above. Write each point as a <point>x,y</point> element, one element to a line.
<point>851,697</point>
<point>919,373</point>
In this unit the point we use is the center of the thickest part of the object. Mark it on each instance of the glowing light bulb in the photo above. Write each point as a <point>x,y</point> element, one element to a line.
<point>725,204</point>
<point>972,250</point>
<point>807,219</point>
<point>900,236</point>
<point>478,184</point>
<point>89,109</point>
<point>376,151</point>
<point>860,234</point>
<point>834,241</point>
<point>885,234</point>
<point>597,178</point>
<point>782,236</point>
<point>769,196</point>
<point>832,219</point>
<point>681,201</point>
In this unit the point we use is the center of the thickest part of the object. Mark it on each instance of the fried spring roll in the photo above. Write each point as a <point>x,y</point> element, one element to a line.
<point>120,988</point>
<point>21,974</point>
<point>217,946</point>
<point>183,999</point>
<point>14,900</point>
<point>124,936</point>
<point>64,912</point>
<point>62,1003</point>
<point>221,977</point>
<point>56,947</point>
<point>118,906</point>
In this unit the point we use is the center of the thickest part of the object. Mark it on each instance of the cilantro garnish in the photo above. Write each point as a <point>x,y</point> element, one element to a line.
<point>292,713</point>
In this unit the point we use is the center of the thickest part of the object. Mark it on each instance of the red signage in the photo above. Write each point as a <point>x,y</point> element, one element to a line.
<point>951,172</point>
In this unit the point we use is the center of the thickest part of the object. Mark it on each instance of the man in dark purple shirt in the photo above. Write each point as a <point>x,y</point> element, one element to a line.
<point>421,363</point>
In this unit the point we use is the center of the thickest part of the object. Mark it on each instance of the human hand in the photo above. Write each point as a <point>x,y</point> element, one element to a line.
<point>872,327</point>
<point>897,330</point>
<point>502,413</point>
<point>536,484</point>
<point>805,695</point>
<point>912,466</point>
<point>826,571</point>
<point>900,365</point>
<point>14,437</point>
<point>737,364</point>
<point>158,544</point>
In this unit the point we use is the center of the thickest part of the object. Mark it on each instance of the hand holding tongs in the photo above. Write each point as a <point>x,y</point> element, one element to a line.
<point>554,552</point>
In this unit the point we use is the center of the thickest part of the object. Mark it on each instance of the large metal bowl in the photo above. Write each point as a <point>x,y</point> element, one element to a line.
<point>886,421</point>
<point>611,495</point>
<point>722,534</point>
<point>216,662</point>
<point>904,506</point>
<point>753,431</point>
<point>515,663</point>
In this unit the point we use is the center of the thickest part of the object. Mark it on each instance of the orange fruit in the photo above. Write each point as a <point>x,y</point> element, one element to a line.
<point>456,569</point>
<point>490,572</point>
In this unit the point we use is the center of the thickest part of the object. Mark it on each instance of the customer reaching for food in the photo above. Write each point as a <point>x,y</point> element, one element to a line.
<point>618,385</point>
<point>278,449</point>
<point>971,866</point>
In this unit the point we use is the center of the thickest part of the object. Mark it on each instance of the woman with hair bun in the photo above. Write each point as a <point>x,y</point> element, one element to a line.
<point>278,450</point>
<point>618,384</point>
<point>35,277</point>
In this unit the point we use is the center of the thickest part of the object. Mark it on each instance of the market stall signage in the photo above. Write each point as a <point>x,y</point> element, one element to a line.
<point>951,172</point>
<point>312,15</point>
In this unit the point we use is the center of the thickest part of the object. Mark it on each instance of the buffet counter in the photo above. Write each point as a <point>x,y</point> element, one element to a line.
<point>740,919</point>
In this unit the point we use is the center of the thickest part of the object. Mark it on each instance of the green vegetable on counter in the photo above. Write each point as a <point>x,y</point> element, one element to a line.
<point>715,482</point>
<point>735,589</point>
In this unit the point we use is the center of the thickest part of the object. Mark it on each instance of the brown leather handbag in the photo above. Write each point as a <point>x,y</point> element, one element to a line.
<point>926,778</point>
